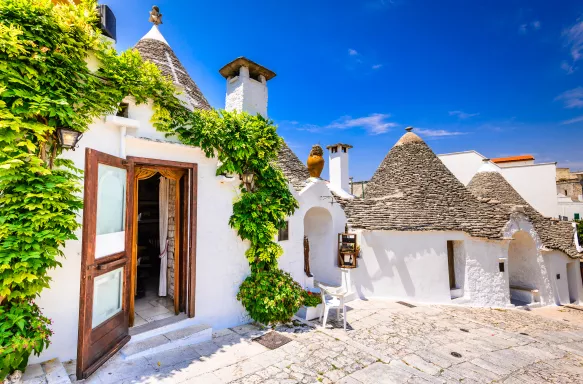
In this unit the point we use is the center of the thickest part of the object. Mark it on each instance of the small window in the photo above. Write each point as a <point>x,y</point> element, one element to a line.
<point>576,216</point>
<point>283,233</point>
<point>501,266</point>
<point>122,110</point>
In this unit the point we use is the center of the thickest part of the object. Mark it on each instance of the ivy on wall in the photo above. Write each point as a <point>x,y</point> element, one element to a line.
<point>45,83</point>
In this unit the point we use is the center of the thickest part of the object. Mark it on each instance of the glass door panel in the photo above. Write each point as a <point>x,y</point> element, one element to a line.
<point>107,296</point>
<point>111,200</point>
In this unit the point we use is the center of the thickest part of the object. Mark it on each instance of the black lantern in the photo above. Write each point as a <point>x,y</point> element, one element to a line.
<point>248,179</point>
<point>68,138</point>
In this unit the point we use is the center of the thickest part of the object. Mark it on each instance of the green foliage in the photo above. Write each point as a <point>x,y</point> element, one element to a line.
<point>45,83</point>
<point>312,299</point>
<point>23,328</point>
<point>249,144</point>
<point>580,231</point>
<point>271,296</point>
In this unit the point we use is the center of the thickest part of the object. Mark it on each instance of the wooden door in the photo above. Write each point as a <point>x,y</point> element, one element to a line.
<point>450,264</point>
<point>105,261</point>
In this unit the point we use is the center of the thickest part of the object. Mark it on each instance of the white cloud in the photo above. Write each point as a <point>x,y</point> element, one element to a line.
<point>574,41</point>
<point>374,124</point>
<point>352,52</point>
<point>535,24</point>
<point>462,114</point>
<point>523,29</point>
<point>569,68</point>
<point>573,120</point>
<point>438,132</point>
<point>377,66</point>
<point>572,98</point>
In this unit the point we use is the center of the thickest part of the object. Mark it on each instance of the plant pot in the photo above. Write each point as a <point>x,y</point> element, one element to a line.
<point>316,161</point>
<point>310,313</point>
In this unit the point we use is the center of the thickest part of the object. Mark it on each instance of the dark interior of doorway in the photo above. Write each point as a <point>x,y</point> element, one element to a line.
<point>149,306</point>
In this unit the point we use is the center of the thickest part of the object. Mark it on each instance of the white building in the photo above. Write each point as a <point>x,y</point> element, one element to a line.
<point>534,182</point>
<point>156,254</point>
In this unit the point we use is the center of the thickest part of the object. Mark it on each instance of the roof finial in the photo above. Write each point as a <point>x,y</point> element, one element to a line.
<point>155,16</point>
<point>409,129</point>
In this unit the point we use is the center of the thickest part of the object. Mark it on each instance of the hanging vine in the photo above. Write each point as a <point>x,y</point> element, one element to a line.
<point>45,83</point>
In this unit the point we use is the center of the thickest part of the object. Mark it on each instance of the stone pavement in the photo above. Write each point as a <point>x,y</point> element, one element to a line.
<point>386,343</point>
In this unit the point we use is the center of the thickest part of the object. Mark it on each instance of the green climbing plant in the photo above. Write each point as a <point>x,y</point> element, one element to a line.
<point>45,83</point>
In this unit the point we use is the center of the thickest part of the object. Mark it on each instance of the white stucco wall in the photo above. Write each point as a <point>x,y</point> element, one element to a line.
<point>567,285</point>
<point>218,245</point>
<point>317,196</point>
<point>463,165</point>
<point>534,182</point>
<point>246,94</point>
<point>538,278</point>
<point>570,208</point>
<point>338,169</point>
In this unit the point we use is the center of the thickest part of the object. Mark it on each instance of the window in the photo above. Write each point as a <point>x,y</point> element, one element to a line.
<point>576,216</point>
<point>122,110</point>
<point>501,266</point>
<point>283,233</point>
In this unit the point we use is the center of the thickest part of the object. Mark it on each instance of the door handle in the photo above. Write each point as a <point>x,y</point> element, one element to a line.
<point>112,264</point>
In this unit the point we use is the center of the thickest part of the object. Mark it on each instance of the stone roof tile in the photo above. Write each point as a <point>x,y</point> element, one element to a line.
<point>412,190</point>
<point>291,166</point>
<point>493,187</point>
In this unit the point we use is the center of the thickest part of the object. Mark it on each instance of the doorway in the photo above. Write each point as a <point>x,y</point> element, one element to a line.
<point>114,243</point>
<point>154,293</point>
<point>572,281</point>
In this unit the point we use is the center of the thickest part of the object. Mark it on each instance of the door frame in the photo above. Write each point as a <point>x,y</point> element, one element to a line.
<point>187,267</point>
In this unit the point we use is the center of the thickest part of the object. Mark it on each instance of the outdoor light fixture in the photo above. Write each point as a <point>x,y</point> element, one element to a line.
<point>249,180</point>
<point>68,138</point>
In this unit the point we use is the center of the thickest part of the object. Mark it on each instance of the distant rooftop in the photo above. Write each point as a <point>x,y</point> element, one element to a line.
<point>511,159</point>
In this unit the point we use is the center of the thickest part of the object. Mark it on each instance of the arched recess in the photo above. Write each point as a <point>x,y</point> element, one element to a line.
<point>524,270</point>
<point>319,231</point>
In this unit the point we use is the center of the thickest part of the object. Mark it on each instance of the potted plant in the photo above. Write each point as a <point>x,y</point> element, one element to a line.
<point>312,306</point>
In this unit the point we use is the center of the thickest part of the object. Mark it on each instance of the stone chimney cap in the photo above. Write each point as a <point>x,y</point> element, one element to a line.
<point>348,146</point>
<point>232,69</point>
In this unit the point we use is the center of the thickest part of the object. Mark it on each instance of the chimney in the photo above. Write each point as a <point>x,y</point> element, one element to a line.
<point>246,86</point>
<point>338,165</point>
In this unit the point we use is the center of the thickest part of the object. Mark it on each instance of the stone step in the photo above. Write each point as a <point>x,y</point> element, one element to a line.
<point>48,372</point>
<point>156,341</point>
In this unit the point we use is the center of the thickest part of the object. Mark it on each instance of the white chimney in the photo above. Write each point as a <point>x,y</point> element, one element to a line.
<point>246,86</point>
<point>338,165</point>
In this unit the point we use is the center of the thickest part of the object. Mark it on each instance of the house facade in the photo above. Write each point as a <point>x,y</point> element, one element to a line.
<point>156,253</point>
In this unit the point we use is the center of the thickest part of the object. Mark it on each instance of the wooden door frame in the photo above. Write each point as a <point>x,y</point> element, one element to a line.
<point>87,336</point>
<point>188,251</point>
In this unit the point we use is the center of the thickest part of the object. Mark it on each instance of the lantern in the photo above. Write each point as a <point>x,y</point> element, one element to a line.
<point>347,250</point>
<point>68,138</point>
<point>249,180</point>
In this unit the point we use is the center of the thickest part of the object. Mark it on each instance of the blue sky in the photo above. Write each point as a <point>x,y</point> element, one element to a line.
<point>500,77</point>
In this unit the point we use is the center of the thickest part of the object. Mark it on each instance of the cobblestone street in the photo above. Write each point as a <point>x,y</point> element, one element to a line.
<point>386,343</point>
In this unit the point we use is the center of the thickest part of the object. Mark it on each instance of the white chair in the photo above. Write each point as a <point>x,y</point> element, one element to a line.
<point>333,297</point>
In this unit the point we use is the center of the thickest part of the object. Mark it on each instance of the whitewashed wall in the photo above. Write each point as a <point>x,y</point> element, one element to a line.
<point>221,265</point>
<point>567,286</point>
<point>413,266</point>
<point>315,195</point>
<point>568,207</point>
<point>534,182</point>
<point>463,165</point>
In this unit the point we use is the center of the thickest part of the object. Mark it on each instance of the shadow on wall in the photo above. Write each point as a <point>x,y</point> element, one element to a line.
<point>383,263</point>
<point>320,232</point>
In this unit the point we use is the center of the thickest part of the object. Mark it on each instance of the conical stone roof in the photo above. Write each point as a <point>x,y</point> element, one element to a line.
<point>154,48</point>
<point>412,190</point>
<point>292,167</point>
<point>490,186</point>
